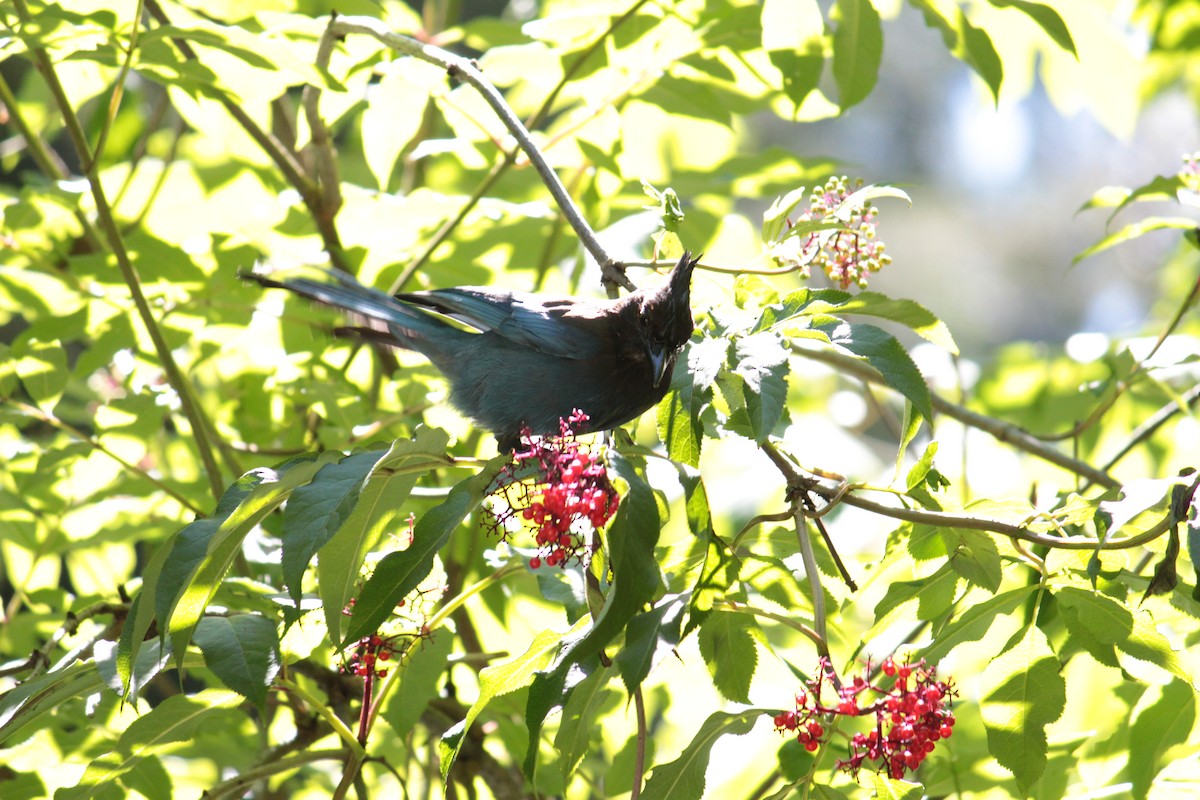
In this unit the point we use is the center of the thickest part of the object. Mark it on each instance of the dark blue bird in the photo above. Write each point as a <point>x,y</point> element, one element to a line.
<point>521,359</point>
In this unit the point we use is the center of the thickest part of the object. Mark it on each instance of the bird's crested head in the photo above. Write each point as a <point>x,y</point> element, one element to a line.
<point>665,314</point>
<point>667,310</point>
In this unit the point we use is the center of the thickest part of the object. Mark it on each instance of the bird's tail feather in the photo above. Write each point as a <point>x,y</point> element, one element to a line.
<point>382,313</point>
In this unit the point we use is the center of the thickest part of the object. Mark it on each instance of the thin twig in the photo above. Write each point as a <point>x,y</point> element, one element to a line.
<point>465,70</point>
<point>1154,422</point>
<point>795,490</point>
<point>639,760</point>
<point>1002,431</point>
<point>201,427</point>
<point>944,520</point>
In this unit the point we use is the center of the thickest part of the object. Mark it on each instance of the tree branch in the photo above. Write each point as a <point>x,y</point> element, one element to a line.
<point>463,69</point>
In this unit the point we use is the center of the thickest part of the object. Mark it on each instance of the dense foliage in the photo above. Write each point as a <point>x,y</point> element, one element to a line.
<point>242,557</point>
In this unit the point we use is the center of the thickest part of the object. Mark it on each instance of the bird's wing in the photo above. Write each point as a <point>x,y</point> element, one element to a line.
<point>531,320</point>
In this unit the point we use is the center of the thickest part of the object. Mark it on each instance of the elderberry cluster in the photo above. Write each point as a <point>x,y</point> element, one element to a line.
<point>368,652</point>
<point>847,254</point>
<point>560,490</point>
<point>910,718</point>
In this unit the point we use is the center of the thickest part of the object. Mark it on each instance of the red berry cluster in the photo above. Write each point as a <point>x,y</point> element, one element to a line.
<point>367,653</point>
<point>910,718</point>
<point>568,496</point>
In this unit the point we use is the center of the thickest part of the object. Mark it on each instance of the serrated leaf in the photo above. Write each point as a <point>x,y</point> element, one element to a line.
<point>909,313</point>
<point>1024,691</point>
<point>727,645</point>
<point>176,719</point>
<point>1113,624</point>
<point>679,427</point>
<point>762,362</point>
<point>934,596</point>
<point>497,680</point>
<point>886,788</point>
<point>398,573</point>
<point>318,509</point>
<point>242,651</point>
<point>975,622</point>
<point>977,51</point>
<point>580,719</point>
<point>632,537</point>
<point>974,556</point>
<point>857,50</point>
<point>203,551</point>
<point>885,353</point>
<point>393,116</point>
<point>649,637</point>
<point>1163,719</point>
<point>41,695</point>
<point>379,503</point>
<point>683,778</point>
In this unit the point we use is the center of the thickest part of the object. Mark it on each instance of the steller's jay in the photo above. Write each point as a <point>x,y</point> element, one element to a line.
<point>531,359</point>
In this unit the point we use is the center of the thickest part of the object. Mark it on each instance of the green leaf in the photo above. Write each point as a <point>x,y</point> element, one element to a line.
<point>974,556</point>
<point>1135,229</point>
<point>727,645</point>
<point>203,551</point>
<point>178,718</point>
<point>379,502</point>
<point>497,680</point>
<point>974,623</point>
<point>885,353</point>
<point>1024,691</point>
<point>398,573</point>
<point>1157,189</point>
<point>683,778</point>
<point>394,114</point>
<point>243,651</point>
<point>632,537</point>
<point>580,719</point>
<point>886,788</point>
<point>42,368</point>
<point>1163,719</point>
<point>649,637</point>
<point>421,672</point>
<point>909,313</point>
<point>793,34</point>
<point>1047,19</point>
<point>857,50</point>
<point>317,510</point>
<point>762,362</point>
<point>971,45</point>
<point>678,416</point>
<point>934,596</point>
<point>35,698</point>
<point>1108,623</point>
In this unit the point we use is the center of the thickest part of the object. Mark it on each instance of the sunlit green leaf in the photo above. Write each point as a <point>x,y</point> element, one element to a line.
<point>857,50</point>
<point>1024,691</point>
<point>683,778</point>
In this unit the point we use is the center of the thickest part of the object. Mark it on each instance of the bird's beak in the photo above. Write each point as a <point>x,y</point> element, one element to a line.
<point>660,363</point>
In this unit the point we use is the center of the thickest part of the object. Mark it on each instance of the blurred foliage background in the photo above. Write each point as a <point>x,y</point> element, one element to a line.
<point>1029,525</point>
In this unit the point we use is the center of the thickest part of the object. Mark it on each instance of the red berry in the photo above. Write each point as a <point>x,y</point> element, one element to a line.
<point>535,562</point>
